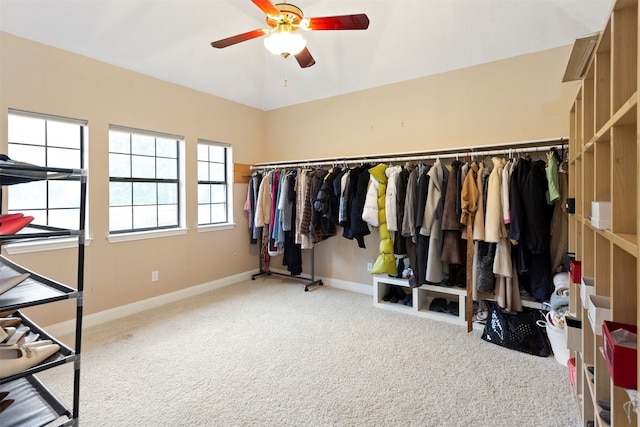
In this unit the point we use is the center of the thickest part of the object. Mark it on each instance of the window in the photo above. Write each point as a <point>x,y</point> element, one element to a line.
<point>144,180</point>
<point>50,141</point>
<point>214,195</point>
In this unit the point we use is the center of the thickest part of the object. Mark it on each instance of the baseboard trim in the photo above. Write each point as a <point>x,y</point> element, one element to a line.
<point>68,327</point>
<point>336,283</point>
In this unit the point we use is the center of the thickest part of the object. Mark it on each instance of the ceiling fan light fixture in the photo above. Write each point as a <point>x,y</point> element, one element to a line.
<point>284,43</point>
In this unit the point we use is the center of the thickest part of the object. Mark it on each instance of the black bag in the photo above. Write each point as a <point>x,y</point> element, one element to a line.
<point>516,331</point>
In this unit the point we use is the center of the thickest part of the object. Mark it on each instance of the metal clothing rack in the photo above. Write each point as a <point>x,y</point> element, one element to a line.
<point>510,149</point>
<point>312,280</point>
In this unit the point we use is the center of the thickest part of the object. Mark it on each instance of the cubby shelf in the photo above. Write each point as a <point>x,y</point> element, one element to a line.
<point>603,166</point>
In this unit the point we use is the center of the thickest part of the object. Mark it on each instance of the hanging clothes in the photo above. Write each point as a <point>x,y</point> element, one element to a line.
<point>400,242</point>
<point>559,242</point>
<point>432,221</point>
<point>385,262</point>
<point>359,228</point>
<point>451,248</point>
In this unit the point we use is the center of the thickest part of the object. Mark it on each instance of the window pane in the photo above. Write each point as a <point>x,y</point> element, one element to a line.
<point>218,213</point>
<point>143,167</point>
<point>64,194</point>
<point>119,165</point>
<point>216,153</point>
<point>64,218</point>
<point>39,215</point>
<point>167,194</point>
<point>120,194</point>
<point>203,171</point>
<point>28,153</point>
<point>167,168</point>
<point>167,148</point>
<point>63,158</point>
<point>204,214</point>
<point>143,144</point>
<point>26,130</point>
<point>119,142</point>
<point>218,193</point>
<point>32,195</point>
<point>64,135</point>
<point>145,217</point>
<point>204,193</point>
<point>167,215</point>
<point>144,193</point>
<point>216,172</point>
<point>203,152</point>
<point>120,218</point>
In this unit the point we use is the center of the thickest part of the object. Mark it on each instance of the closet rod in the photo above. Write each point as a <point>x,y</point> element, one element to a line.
<point>513,148</point>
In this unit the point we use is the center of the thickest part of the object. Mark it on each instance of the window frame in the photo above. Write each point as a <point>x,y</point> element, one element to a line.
<point>227,182</point>
<point>36,246</point>
<point>160,230</point>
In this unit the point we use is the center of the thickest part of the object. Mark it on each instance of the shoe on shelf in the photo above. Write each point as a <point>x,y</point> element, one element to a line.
<point>17,337</point>
<point>11,282</point>
<point>439,305</point>
<point>10,321</point>
<point>5,404</point>
<point>6,333</point>
<point>453,308</point>
<point>13,225</point>
<point>17,358</point>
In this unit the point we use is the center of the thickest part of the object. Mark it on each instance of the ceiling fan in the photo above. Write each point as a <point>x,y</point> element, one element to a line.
<point>283,20</point>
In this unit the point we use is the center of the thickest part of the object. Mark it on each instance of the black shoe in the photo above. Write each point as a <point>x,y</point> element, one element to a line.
<point>439,305</point>
<point>453,308</point>
<point>604,404</point>
<point>606,416</point>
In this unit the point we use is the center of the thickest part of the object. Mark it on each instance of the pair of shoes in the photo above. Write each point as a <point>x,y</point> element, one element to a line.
<point>19,335</point>
<point>12,223</point>
<point>453,308</point>
<point>4,402</point>
<point>10,321</point>
<point>439,305</point>
<point>19,357</point>
<point>11,282</point>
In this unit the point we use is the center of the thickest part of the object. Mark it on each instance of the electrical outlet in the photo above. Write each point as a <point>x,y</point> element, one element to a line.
<point>154,276</point>
<point>369,266</point>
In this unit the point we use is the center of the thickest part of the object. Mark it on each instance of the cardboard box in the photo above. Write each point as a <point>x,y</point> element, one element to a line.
<point>621,361</point>
<point>587,287</point>
<point>599,311</point>
<point>573,333</point>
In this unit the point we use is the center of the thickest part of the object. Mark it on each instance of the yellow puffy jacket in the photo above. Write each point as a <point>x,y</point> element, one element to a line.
<point>386,261</point>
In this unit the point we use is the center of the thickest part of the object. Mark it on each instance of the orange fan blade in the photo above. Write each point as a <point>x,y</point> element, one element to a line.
<point>267,7</point>
<point>344,22</point>
<point>305,59</point>
<point>238,38</point>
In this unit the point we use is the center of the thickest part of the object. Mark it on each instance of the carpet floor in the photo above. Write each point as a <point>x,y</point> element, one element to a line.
<point>266,353</point>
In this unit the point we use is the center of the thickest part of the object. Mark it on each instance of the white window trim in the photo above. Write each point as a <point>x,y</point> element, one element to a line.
<point>229,162</point>
<point>141,235</point>
<point>41,246</point>
<point>152,234</point>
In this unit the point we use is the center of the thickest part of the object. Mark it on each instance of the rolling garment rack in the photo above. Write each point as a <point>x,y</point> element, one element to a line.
<point>510,149</point>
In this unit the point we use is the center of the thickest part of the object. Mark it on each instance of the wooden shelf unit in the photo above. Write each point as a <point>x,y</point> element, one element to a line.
<point>603,166</point>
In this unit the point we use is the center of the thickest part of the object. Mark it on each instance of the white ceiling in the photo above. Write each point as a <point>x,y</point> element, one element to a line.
<point>406,39</point>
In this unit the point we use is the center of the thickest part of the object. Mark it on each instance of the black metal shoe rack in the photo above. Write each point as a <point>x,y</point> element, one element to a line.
<point>33,403</point>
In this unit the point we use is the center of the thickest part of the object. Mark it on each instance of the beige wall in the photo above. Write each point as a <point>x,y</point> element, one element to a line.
<point>38,78</point>
<point>513,100</point>
<point>517,99</point>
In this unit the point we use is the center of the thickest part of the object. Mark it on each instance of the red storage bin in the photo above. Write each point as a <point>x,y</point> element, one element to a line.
<point>621,361</point>
<point>571,363</point>
<point>575,271</point>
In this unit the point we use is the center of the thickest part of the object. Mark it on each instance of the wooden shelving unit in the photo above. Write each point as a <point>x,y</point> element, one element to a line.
<point>603,166</point>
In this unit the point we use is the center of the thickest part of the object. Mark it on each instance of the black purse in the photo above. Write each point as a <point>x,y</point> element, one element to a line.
<point>520,331</point>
